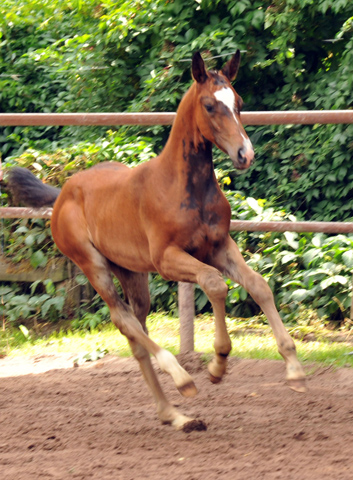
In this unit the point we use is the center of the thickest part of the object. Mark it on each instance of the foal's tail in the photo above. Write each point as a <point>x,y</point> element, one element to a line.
<point>27,189</point>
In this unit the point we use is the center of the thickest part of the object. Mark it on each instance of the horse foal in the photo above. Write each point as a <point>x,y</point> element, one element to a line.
<point>170,216</point>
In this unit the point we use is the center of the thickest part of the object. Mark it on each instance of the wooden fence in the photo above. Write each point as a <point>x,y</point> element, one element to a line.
<point>186,291</point>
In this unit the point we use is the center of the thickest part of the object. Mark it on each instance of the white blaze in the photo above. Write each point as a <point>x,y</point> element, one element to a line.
<point>226,96</point>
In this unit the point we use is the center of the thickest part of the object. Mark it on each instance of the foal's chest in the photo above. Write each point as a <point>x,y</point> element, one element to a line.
<point>207,227</point>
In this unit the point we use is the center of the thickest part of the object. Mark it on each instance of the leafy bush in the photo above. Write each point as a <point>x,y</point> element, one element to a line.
<point>92,321</point>
<point>135,56</point>
<point>306,269</point>
<point>18,307</point>
<point>29,241</point>
<point>56,167</point>
<point>303,270</point>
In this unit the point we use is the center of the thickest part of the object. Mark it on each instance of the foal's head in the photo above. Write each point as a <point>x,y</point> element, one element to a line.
<point>217,110</point>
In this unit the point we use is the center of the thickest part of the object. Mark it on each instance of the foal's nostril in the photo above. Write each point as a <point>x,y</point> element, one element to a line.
<point>241,156</point>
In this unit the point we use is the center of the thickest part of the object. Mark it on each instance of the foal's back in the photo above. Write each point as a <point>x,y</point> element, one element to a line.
<point>102,205</point>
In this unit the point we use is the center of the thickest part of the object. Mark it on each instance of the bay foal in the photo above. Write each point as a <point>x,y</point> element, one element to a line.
<point>168,216</point>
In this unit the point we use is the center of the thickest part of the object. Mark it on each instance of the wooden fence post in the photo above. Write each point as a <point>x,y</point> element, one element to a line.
<point>186,305</point>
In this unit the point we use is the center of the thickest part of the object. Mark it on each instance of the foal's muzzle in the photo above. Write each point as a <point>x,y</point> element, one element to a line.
<point>245,157</point>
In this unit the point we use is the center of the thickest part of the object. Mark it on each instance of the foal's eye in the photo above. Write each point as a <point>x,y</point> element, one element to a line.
<point>209,103</point>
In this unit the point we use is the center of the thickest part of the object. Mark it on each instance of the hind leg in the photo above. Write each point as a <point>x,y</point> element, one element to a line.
<point>97,269</point>
<point>165,410</point>
<point>71,236</point>
<point>135,287</point>
<point>136,291</point>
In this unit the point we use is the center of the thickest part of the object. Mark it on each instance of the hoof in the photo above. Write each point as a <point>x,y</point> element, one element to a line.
<point>216,371</point>
<point>194,426</point>
<point>188,390</point>
<point>214,379</point>
<point>298,385</point>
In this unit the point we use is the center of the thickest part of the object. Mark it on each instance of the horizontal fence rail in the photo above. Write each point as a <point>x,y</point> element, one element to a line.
<point>21,212</point>
<point>299,227</point>
<point>186,291</point>
<point>303,117</point>
<point>235,225</point>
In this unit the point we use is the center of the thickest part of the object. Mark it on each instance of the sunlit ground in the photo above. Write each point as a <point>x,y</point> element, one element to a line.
<point>257,342</point>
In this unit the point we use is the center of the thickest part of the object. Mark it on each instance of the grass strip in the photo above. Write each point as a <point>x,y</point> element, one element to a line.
<point>257,342</point>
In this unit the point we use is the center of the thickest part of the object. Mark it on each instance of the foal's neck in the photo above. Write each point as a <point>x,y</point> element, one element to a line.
<point>187,152</point>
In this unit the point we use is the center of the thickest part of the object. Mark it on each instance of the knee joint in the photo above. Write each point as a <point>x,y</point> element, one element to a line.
<point>212,283</point>
<point>287,348</point>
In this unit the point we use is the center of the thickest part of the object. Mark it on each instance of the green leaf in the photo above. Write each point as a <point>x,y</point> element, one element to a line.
<point>318,240</point>
<point>272,249</point>
<point>34,285</point>
<point>36,301</point>
<point>49,286</point>
<point>310,255</point>
<point>333,281</point>
<point>347,258</point>
<point>300,295</point>
<point>317,271</point>
<point>57,302</point>
<point>19,300</point>
<point>22,229</point>
<point>293,282</point>
<point>38,259</point>
<point>41,237</point>
<point>201,301</point>
<point>289,257</point>
<point>5,290</point>
<point>29,240</point>
<point>291,238</point>
<point>340,279</point>
<point>81,280</point>
<point>243,294</point>
<point>254,205</point>
<point>24,330</point>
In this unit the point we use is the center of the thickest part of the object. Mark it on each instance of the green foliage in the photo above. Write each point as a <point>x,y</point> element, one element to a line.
<point>18,307</point>
<point>164,295</point>
<point>28,241</point>
<point>319,273</point>
<point>92,320</point>
<point>303,270</point>
<point>56,167</point>
<point>135,56</point>
<point>307,168</point>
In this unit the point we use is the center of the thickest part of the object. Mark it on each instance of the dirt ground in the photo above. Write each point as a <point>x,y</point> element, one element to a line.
<point>98,421</point>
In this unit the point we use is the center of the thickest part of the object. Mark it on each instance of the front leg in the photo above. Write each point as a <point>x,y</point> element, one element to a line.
<point>232,264</point>
<point>212,283</point>
<point>175,264</point>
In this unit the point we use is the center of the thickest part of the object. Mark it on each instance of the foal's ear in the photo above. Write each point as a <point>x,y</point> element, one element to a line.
<point>231,68</point>
<point>198,68</point>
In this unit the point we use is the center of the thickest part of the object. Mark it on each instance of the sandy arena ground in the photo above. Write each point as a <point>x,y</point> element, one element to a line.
<point>98,421</point>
